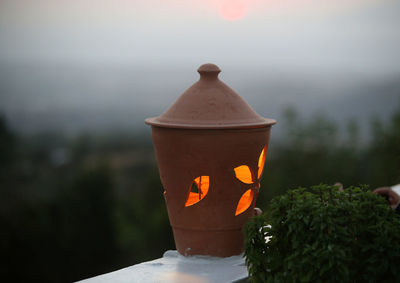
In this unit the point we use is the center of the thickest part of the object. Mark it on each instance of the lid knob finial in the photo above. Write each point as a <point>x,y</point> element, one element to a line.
<point>209,71</point>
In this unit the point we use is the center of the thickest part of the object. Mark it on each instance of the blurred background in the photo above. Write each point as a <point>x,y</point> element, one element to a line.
<point>80,191</point>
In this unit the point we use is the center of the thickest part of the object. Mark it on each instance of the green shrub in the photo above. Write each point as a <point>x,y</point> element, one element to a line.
<point>324,235</point>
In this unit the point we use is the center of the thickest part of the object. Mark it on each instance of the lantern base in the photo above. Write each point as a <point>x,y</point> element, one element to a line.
<point>218,243</point>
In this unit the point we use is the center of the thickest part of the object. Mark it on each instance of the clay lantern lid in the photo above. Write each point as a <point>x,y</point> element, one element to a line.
<point>210,104</point>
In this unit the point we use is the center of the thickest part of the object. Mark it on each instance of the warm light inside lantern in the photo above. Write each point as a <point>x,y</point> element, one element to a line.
<point>261,161</point>
<point>198,190</point>
<point>243,173</point>
<point>245,201</point>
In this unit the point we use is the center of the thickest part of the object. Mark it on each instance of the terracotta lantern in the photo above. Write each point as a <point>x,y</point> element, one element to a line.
<point>210,147</point>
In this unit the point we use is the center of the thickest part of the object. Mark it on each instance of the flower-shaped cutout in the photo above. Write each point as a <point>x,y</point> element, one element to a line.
<point>245,175</point>
<point>198,190</point>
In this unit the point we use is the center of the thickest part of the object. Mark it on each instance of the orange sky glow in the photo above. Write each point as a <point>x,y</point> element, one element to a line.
<point>232,10</point>
<point>114,11</point>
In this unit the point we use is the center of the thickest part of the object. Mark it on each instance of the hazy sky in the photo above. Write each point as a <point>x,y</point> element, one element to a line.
<point>72,64</point>
<point>361,34</point>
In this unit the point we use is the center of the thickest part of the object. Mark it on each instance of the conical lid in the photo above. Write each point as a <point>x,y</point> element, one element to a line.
<point>210,104</point>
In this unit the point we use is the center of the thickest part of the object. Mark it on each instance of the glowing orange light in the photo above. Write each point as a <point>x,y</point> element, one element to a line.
<point>245,201</point>
<point>261,162</point>
<point>232,10</point>
<point>201,185</point>
<point>244,174</point>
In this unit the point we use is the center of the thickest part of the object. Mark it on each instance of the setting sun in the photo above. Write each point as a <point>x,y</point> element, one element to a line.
<point>232,10</point>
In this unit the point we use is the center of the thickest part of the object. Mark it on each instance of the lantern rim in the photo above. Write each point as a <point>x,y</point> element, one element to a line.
<point>266,122</point>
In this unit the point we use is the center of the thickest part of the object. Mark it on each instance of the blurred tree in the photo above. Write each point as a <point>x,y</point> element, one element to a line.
<point>383,158</point>
<point>61,223</point>
<point>143,222</point>
<point>313,153</point>
<point>87,230</point>
<point>8,149</point>
<point>308,155</point>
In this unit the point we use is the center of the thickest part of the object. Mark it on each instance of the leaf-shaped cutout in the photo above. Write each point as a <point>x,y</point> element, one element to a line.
<point>198,190</point>
<point>243,173</point>
<point>261,162</point>
<point>245,202</point>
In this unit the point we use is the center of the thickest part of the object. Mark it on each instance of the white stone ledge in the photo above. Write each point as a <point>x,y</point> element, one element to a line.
<point>173,267</point>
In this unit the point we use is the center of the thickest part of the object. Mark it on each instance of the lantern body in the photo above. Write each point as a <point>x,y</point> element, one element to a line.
<point>194,148</point>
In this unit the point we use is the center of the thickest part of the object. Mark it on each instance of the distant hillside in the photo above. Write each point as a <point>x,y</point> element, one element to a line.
<point>106,98</point>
